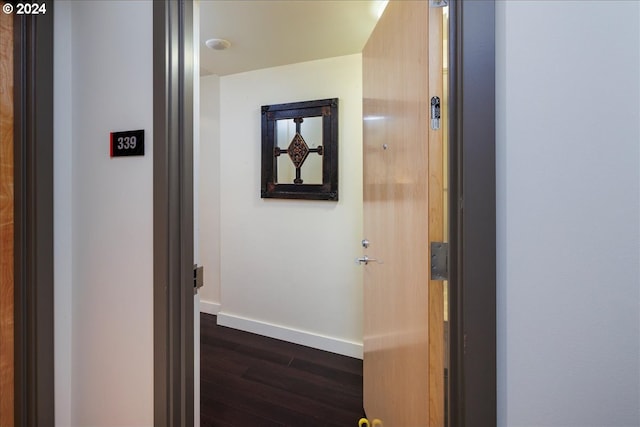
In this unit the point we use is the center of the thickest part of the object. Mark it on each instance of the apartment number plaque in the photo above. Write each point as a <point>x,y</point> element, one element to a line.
<point>127,143</point>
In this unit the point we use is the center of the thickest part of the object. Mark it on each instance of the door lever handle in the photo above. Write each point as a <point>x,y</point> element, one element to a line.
<point>366,260</point>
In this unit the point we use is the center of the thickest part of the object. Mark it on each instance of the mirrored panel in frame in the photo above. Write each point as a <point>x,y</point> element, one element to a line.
<point>286,136</point>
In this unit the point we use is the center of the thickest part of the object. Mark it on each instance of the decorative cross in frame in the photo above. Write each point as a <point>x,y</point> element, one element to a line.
<point>298,150</point>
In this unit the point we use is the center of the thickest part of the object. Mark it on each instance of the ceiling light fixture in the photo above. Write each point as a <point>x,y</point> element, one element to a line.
<point>218,44</point>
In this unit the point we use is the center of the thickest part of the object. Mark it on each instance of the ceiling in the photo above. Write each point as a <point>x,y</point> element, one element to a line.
<point>268,33</point>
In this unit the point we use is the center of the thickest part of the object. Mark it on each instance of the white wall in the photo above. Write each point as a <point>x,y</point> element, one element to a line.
<point>112,307</point>
<point>287,266</point>
<point>63,213</point>
<point>209,192</point>
<point>568,161</point>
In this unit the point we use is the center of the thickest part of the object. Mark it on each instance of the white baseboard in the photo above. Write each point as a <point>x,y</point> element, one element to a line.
<point>334,345</point>
<point>209,307</point>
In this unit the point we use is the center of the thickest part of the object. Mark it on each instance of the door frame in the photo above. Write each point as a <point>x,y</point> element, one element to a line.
<point>33,217</point>
<point>472,379</point>
<point>472,299</point>
<point>173,322</point>
<point>173,216</point>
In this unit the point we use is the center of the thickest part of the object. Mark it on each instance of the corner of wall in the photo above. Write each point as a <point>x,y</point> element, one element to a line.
<point>209,184</point>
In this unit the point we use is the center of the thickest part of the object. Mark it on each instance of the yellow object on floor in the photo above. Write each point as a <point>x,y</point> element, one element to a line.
<point>363,422</point>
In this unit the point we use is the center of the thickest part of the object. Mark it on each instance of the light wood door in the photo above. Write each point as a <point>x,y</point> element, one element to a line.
<point>403,212</point>
<point>6,221</point>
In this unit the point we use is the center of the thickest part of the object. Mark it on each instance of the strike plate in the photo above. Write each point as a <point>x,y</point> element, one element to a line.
<point>198,277</point>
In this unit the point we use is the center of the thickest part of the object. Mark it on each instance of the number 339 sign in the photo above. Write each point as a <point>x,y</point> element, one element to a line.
<point>127,143</point>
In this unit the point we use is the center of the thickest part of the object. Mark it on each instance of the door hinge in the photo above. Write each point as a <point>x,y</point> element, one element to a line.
<point>439,261</point>
<point>435,112</point>
<point>438,3</point>
<point>198,277</point>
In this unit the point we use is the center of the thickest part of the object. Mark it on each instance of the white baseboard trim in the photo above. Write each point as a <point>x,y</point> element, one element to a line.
<point>209,307</point>
<point>309,339</point>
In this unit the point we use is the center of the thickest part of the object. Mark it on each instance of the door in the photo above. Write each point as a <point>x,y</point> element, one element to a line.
<point>403,212</point>
<point>6,222</point>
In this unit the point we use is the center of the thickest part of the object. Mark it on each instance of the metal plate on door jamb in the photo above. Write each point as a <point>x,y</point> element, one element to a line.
<point>438,3</point>
<point>439,261</point>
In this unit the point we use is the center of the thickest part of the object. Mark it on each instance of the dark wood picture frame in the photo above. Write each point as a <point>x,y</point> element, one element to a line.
<point>271,188</point>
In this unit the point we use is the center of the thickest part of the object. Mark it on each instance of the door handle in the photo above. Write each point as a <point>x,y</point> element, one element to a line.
<point>366,260</point>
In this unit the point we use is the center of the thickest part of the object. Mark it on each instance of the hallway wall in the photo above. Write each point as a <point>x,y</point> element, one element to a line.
<point>63,211</point>
<point>287,266</point>
<point>209,184</point>
<point>568,162</point>
<point>103,215</point>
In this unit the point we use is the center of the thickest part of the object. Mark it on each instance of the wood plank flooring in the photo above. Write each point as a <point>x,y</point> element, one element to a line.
<point>248,380</point>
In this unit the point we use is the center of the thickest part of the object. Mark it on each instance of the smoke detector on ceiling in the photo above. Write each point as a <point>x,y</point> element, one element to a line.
<point>218,44</point>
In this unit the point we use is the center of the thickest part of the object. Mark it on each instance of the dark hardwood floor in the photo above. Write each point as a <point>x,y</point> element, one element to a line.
<point>248,380</point>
